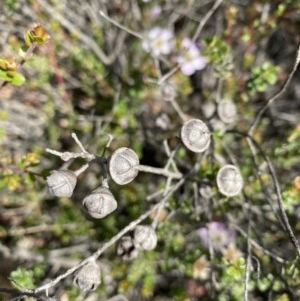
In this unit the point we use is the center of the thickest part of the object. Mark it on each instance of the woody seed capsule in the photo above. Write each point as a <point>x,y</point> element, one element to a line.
<point>61,183</point>
<point>229,180</point>
<point>100,202</point>
<point>88,277</point>
<point>126,248</point>
<point>227,111</point>
<point>195,135</point>
<point>123,165</point>
<point>144,237</point>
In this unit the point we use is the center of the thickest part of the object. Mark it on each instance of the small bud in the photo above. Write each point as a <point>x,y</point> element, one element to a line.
<point>37,34</point>
<point>227,111</point>
<point>88,277</point>
<point>229,180</point>
<point>206,192</point>
<point>61,183</point>
<point>195,135</point>
<point>123,165</point>
<point>100,203</point>
<point>126,248</point>
<point>8,64</point>
<point>144,237</point>
<point>168,91</point>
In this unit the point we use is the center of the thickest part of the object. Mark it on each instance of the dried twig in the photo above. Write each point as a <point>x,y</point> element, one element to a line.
<point>277,94</point>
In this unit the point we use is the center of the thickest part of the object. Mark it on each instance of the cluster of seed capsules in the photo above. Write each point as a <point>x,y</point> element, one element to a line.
<point>123,166</point>
<point>142,238</point>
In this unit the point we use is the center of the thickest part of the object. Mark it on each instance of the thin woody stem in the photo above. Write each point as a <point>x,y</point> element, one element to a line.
<point>74,136</point>
<point>27,55</point>
<point>134,33</point>
<point>160,171</point>
<point>66,156</point>
<point>276,95</point>
<point>81,169</point>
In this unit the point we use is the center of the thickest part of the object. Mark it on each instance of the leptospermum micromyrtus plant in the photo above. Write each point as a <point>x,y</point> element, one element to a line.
<point>123,166</point>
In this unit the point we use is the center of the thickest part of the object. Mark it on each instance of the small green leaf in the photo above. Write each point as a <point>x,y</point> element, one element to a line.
<point>5,76</point>
<point>22,53</point>
<point>28,38</point>
<point>18,79</point>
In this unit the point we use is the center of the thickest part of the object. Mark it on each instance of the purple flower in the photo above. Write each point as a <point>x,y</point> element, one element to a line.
<point>158,41</point>
<point>191,59</point>
<point>155,11</point>
<point>217,235</point>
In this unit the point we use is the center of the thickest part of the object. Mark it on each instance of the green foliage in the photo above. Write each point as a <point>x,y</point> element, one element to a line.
<point>23,278</point>
<point>143,270</point>
<point>261,77</point>
<point>9,4</point>
<point>9,67</point>
<point>9,73</point>
<point>219,53</point>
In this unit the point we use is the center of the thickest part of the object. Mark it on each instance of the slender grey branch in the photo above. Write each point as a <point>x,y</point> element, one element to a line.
<point>276,95</point>
<point>256,244</point>
<point>134,33</point>
<point>74,136</point>
<point>205,19</point>
<point>283,217</point>
<point>248,258</point>
<point>21,294</point>
<point>160,171</point>
<point>66,156</point>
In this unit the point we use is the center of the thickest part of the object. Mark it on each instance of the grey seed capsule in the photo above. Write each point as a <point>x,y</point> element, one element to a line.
<point>229,180</point>
<point>144,237</point>
<point>195,135</point>
<point>227,111</point>
<point>88,277</point>
<point>61,183</point>
<point>168,91</point>
<point>100,203</point>
<point>126,248</point>
<point>123,165</point>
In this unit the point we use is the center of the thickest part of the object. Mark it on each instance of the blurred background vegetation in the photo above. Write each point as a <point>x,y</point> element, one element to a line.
<point>94,79</point>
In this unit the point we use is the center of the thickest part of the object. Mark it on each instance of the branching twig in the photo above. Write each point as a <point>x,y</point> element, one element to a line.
<point>66,156</point>
<point>160,171</point>
<point>20,294</point>
<point>283,217</point>
<point>248,258</point>
<point>256,244</point>
<point>205,19</point>
<point>134,33</point>
<point>277,94</point>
